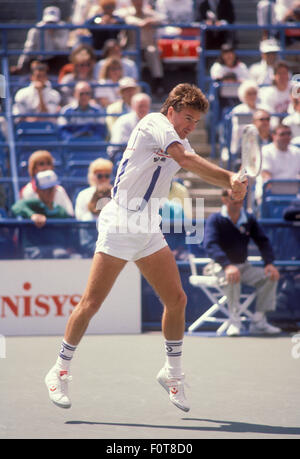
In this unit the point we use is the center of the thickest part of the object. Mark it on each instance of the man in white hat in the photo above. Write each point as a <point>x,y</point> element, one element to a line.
<point>263,72</point>
<point>53,40</point>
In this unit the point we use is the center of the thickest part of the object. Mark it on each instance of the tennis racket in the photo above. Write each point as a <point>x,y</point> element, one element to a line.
<point>251,153</point>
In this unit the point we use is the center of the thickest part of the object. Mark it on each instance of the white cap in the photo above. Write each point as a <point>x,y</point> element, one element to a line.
<point>46,179</point>
<point>127,82</point>
<point>51,14</point>
<point>269,46</point>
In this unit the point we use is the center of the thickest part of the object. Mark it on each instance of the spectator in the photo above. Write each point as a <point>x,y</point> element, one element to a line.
<point>39,209</point>
<point>261,120</point>
<point>53,39</point>
<point>242,113</point>
<point>39,161</point>
<point>112,48</point>
<point>81,68</point>
<point>228,62</point>
<point>280,160</point>
<point>218,12</point>
<point>292,17</point>
<point>175,12</point>
<point>127,88</point>
<point>263,72</point>
<point>226,239</point>
<point>110,74</point>
<point>104,16</point>
<point>276,98</point>
<point>83,117</point>
<point>142,16</point>
<point>122,128</point>
<point>39,97</point>
<point>87,207</point>
<point>293,120</point>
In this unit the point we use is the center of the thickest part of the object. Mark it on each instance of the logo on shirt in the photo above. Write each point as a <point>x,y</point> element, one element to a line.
<point>160,155</point>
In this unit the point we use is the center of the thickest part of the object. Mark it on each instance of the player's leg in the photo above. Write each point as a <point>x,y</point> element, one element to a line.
<point>103,273</point>
<point>161,271</point>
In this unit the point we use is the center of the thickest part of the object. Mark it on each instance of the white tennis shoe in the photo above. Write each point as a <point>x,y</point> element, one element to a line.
<point>175,389</point>
<point>57,384</point>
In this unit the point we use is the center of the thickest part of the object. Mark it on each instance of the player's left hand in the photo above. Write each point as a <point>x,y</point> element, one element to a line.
<point>239,189</point>
<point>272,272</point>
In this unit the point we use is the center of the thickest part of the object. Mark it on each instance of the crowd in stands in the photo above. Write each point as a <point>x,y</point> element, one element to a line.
<point>96,91</point>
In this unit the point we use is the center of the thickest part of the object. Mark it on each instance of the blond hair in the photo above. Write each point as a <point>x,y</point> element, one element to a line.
<point>35,157</point>
<point>99,164</point>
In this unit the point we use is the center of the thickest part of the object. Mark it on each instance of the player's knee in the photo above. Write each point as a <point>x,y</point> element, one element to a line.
<point>178,302</point>
<point>88,307</point>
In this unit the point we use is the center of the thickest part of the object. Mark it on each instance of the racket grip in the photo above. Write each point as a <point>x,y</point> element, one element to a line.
<point>242,174</point>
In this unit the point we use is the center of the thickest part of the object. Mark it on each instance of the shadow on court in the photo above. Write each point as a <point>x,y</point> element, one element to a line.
<point>223,426</point>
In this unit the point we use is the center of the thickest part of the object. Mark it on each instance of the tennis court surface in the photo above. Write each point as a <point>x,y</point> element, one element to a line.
<point>245,387</point>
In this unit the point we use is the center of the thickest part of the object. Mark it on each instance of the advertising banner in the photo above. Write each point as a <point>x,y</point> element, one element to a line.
<point>38,296</point>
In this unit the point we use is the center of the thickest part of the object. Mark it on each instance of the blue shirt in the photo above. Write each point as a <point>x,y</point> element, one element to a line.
<point>227,243</point>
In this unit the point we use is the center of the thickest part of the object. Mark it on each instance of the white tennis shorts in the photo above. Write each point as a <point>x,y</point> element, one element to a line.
<point>127,234</point>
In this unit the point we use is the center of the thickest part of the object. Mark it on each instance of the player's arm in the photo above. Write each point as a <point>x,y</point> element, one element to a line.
<point>207,171</point>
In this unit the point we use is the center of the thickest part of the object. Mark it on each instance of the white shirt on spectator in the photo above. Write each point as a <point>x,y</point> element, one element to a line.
<point>218,70</point>
<point>81,205</point>
<point>273,100</point>
<point>281,164</point>
<point>293,121</point>
<point>27,100</point>
<point>262,73</point>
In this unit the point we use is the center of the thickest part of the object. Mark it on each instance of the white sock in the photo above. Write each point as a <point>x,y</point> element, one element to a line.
<point>65,356</point>
<point>173,357</point>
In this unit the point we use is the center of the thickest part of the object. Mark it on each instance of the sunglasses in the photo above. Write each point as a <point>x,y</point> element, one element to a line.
<point>284,134</point>
<point>101,176</point>
<point>84,64</point>
<point>263,119</point>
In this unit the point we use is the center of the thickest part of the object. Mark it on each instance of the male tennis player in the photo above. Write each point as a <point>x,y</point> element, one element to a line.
<point>156,150</point>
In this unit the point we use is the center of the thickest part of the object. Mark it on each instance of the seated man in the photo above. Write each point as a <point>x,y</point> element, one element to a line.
<point>39,97</point>
<point>226,238</point>
<point>91,122</point>
<point>40,242</point>
<point>280,160</point>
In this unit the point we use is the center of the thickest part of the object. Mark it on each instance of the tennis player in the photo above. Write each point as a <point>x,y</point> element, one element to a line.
<point>156,150</point>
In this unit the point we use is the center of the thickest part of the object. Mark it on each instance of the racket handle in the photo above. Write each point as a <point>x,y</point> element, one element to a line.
<point>242,174</point>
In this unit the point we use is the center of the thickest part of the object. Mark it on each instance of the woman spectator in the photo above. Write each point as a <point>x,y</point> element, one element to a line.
<point>112,48</point>
<point>110,74</point>
<point>42,160</point>
<point>88,206</point>
<point>228,62</point>
<point>81,68</point>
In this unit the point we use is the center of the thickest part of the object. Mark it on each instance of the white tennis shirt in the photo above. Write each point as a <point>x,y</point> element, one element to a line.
<point>146,170</point>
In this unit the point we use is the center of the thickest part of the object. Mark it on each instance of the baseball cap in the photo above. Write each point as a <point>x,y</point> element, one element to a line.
<point>46,179</point>
<point>127,82</point>
<point>269,46</point>
<point>51,14</point>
